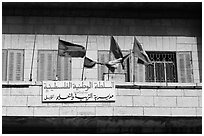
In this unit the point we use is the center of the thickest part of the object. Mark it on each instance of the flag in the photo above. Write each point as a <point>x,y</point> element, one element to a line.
<point>140,53</point>
<point>68,49</point>
<point>88,63</point>
<point>115,49</point>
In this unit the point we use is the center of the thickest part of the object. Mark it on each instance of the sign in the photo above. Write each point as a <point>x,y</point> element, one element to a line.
<point>75,91</point>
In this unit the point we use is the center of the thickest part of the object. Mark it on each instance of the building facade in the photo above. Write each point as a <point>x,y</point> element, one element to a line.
<point>165,97</point>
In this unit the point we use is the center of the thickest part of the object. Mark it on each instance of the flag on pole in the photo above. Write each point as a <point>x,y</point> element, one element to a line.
<point>140,53</point>
<point>68,49</point>
<point>115,49</point>
<point>88,63</point>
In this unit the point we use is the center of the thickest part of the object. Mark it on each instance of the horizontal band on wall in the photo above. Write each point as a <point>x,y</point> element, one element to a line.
<point>102,124</point>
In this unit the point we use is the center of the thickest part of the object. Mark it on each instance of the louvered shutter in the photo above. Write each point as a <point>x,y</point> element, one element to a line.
<point>46,65</point>
<point>184,67</point>
<point>103,56</point>
<point>15,65</point>
<point>4,64</point>
<point>139,71</point>
<point>64,68</point>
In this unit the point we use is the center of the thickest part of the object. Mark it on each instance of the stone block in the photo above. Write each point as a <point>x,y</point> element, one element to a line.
<point>77,63</point>
<point>6,91</point>
<point>8,41</point>
<point>146,43</point>
<point>15,41</point>
<point>46,111</point>
<point>19,111</point>
<point>128,111</point>
<point>190,92</point>
<point>143,101</point>
<point>104,111</point>
<point>6,100</point>
<point>124,101</point>
<point>183,47</point>
<point>35,101</point>
<point>196,74</point>
<point>91,73</point>
<point>159,43</point>
<point>14,101</point>
<point>4,111</point>
<point>157,111</point>
<point>128,92</point>
<point>183,111</point>
<point>19,91</point>
<point>170,92</point>
<point>165,101</point>
<point>92,46</point>
<point>187,101</point>
<point>148,92</point>
<point>199,111</point>
<point>68,111</point>
<point>153,43</point>
<point>76,73</point>
<point>166,43</point>
<point>199,101</point>
<point>92,55</point>
<point>86,111</point>
<point>172,43</point>
<point>186,40</point>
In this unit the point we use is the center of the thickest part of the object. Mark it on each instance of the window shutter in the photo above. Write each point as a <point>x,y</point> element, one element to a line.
<point>64,68</point>
<point>138,72</point>
<point>41,66</point>
<point>4,64</point>
<point>103,56</point>
<point>184,67</point>
<point>15,65</point>
<point>46,65</point>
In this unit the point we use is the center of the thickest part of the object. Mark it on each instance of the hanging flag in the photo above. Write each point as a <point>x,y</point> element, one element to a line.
<point>88,63</point>
<point>115,49</point>
<point>140,53</point>
<point>68,49</point>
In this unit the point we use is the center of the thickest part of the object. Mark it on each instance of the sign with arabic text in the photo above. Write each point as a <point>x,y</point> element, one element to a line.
<point>75,91</point>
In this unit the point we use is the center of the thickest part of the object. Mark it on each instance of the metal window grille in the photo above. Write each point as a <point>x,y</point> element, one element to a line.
<point>163,68</point>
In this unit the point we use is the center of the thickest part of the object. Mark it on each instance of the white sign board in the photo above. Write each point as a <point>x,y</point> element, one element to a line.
<point>74,91</point>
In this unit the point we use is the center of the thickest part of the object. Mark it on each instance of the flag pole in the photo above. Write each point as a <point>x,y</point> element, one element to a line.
<point>84,59</point>
<point>109,57</point>
<point>32,59</point>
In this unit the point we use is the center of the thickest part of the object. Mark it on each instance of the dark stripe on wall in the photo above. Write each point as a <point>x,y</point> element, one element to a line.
<point>101,125</point>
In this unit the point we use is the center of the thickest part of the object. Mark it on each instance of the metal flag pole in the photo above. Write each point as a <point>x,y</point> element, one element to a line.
<point>32,59</point>
<point>84,59</point>
<point>109,57</point>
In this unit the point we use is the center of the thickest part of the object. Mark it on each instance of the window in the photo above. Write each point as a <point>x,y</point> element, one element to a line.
<point>163,68</point>
<point>12,65</point>
<point>51,65</point>
<point>167,67</point>
<point>103,56</point>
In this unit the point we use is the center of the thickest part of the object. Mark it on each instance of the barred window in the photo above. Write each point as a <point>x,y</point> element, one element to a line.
<point>164,68</point>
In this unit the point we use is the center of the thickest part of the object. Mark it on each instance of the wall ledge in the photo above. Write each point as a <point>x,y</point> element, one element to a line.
<point>124,85</point>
